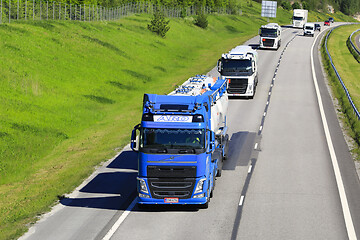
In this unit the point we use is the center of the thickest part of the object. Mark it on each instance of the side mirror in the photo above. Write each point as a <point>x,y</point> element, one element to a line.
<point>133,138</point>
<point>219,65</point>
<point>211,139</point>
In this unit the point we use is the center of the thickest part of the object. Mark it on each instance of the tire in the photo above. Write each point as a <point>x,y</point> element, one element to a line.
<point>205,205</point>
<point>218,174</point>
<point>142,206</point>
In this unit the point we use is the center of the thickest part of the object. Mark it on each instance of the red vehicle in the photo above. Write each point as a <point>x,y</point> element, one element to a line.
<point>327,23</point>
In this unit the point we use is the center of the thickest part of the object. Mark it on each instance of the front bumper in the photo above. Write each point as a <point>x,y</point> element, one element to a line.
<point>153,201</point>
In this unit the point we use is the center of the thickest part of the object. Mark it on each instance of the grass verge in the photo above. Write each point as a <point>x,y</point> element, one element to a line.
<point>349,70</point>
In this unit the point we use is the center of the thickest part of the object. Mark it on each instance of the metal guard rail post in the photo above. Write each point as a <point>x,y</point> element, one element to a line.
<point>338,76</point>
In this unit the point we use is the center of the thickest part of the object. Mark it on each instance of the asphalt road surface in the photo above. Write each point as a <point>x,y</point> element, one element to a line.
<point>278,183</point>
<point>357,41</point>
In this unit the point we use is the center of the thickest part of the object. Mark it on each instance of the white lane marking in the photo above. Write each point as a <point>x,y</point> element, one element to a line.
<point>267,103</point>
<point>269,93</point>
<point>340,185</point>
<point>241,200</point>
<point>260,128</point>
<point>264,114</point>
<point>256,145</point>
<point>117,224</point>
<point>250,167</point>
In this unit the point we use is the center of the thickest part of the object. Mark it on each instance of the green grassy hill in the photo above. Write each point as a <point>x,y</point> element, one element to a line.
<point>71,92</point>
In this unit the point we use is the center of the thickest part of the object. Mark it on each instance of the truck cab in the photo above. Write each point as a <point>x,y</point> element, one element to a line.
<point>270,36</point>
<point>309,29</point>
<point>240,68</point>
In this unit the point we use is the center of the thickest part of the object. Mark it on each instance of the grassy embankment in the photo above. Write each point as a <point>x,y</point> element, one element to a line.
<point>71,92</point>
<point>349,70</point>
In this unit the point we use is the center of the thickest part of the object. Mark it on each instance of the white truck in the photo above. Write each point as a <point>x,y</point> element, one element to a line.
<point>309,29</point>
<point>300,17</point>
<point>270,36</point>
<point>240,68</point>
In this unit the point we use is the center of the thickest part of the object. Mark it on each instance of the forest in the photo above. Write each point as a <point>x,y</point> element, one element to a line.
<point>348,7</point>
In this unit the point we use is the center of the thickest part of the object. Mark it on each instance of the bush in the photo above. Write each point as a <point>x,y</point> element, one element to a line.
<point>201,21</point>
<point>183,13</point>
<point>159,24</point>
<point>305,5</point>
<point>286,5</point>
<point>296,5</point>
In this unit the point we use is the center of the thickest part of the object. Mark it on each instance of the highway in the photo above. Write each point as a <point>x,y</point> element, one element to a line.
<point>278,183</point>
<point>357,41</point>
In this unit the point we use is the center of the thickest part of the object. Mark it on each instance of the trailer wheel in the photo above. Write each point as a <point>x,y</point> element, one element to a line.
<point>226,151</point>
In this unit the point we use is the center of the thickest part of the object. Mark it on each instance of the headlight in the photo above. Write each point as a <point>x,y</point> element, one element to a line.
<point>142,184</point>
<point>199,195</point>
<point>143,195</point>
<point>199,186</point>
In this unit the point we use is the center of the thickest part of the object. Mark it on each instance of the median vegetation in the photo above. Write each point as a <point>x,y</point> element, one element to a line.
<point>349,70</point>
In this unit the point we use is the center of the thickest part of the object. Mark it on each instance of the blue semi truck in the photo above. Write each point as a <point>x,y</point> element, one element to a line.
<point>182,142</point>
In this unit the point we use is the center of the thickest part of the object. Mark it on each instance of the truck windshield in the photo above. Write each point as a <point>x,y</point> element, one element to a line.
<point>162,138</point>
<point>298,18</point>
<point>309,27</point>
<point>265,32</point>
<point>238,67</point>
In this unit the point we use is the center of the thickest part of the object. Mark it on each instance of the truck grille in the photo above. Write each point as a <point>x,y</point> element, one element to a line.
<point>171,187</point>
<point>237,85</point>
<point>171,171</point>
<point>268,42</point>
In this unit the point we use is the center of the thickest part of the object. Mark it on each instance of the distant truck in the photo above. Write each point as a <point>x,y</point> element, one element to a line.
<point>182,143</point>
<point>309,29</point>
<point>240,68</point>
<point>270,36</point>
<point>300,17</point>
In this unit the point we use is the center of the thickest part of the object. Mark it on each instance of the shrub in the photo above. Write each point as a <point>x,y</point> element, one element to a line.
<point>296,5</point>
<point>183,13</point>
<point>305,5</point>
<point>159,24</point>
<point>201,21</point>
<point>286,5</point>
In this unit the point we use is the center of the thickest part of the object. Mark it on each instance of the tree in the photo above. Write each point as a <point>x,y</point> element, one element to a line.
<point>159,24</point>
<point>305,5</point>
<point>296,5</point>
<point>286,5</point>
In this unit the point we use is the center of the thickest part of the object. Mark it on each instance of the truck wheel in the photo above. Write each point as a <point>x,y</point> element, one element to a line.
<point>205,206</point>
<point>142,206</point>
<point>218,174</point>
<point>219,170</point>
<point>226,147</point>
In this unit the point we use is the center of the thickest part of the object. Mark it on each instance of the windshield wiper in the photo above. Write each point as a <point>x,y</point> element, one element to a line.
<point>187,150</point>
<point>156,150</point>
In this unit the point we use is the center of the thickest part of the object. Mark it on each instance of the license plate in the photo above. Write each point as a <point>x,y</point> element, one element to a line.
<point>171,200</point>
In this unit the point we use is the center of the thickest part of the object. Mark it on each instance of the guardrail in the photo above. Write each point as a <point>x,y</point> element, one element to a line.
<point>338,76</point>
<point>352,44</point>
<point>12,10</point>
<point>352,48</point>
